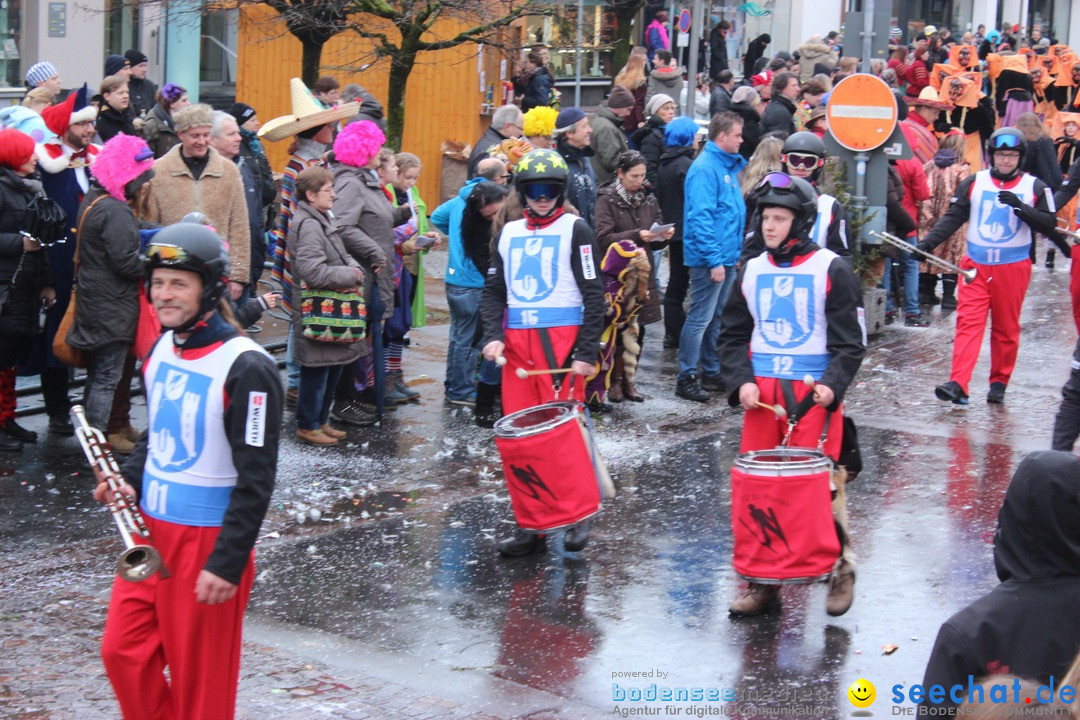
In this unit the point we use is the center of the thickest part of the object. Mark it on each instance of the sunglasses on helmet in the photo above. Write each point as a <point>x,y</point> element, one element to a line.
<point>162,254</point>
<point>1005,141</point>
<point>542,191</point>
<point>803,160</point>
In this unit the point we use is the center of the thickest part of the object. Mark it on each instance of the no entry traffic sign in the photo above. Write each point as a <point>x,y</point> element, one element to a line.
<point>861,112</point>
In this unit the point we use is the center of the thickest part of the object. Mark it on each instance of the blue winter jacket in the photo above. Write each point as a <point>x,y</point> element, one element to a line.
<point>460,270</point>
<point>714,215</point>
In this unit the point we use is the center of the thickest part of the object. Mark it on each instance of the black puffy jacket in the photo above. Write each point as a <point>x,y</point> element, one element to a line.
<point>22,304</point>
<point>649,139</point>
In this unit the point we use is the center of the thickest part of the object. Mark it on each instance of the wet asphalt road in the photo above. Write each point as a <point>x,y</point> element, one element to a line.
<point>398,577</point>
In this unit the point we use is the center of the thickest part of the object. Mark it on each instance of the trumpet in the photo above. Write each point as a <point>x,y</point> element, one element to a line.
<point>139,560</point>
<point>968,275</point>
<point>1072,235</point>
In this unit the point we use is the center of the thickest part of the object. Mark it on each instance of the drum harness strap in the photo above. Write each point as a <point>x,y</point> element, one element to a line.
<point>800,409</point>
<point>797,410</point>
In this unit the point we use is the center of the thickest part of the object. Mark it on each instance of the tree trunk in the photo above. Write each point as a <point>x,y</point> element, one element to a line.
<point>401,67</point>
<point>311,61</point>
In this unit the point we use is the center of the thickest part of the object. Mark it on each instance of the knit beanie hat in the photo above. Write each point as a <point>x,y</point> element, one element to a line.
<point>569,116</point>
<point>744,94</point>
<point>124,163</point>
<point>620,97</point>
<point>539,122</point>
<point>114,64</point>
<point>358,142</point>
<point>241,112</point>
<point>656,102</point>
<point>135,57</point>
<point>39,73</point>
<point>16,147</point>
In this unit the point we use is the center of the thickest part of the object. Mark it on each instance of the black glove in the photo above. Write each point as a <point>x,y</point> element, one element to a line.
<point>925,246</point>
<point>1008,197</point>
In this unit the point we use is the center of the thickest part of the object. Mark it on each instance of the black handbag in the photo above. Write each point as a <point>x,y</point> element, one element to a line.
<point>46,220</point>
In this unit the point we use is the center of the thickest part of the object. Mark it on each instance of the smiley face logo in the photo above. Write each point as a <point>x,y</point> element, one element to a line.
<point>862,693</point>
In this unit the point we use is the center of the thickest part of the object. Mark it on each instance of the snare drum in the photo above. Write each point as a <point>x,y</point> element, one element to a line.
<point>781,516</point>
<point>548,460</point>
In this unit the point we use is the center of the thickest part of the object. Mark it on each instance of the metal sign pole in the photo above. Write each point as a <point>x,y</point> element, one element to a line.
<point>697,13</point>
<point>577,61</point>
<point>867,34</point>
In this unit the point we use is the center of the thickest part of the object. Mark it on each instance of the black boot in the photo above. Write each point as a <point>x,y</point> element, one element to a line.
<point>948,292</point>
<point>1050,253</point>
<point>522,544</point>
<point>486,397</point>
<point>927,287</point>
<point>575,537</point>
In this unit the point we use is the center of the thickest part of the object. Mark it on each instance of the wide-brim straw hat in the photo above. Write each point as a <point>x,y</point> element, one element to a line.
<point>929,98</point>
<point>306,113</point>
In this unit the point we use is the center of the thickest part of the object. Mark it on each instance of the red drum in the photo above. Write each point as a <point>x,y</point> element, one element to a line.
<point>548,465</point>
<point>781,515</point>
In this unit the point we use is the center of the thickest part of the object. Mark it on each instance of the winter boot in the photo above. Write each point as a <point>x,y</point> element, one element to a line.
<point>522,544</point>
<point>398,380</point>
<point>690,389</point>
<point>927,287</point>
<point>948,292</point>
<point>841,590</point>
<point>575,537</point>
<point>756,600</point>
<point>393,395</point>
<point>486,397</point>
<point>951,392</point>
<point>996,395</point>
<point>1050,254</point>
<point>314,437</point>
<point>615,386</point>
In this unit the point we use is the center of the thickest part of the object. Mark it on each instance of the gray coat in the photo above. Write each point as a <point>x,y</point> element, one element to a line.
<point>608,141</point>
<point>110,271</point>
<point>366,220</point>
<point>320,260</point>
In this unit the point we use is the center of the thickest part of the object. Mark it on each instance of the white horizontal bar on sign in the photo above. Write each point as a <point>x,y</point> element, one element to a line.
<point>869,112</point>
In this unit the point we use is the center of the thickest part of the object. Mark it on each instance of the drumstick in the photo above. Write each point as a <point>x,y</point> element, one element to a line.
<point>523,373</point>
<point>809,380</point>
<point>500,360</point>
<point>778,409</point>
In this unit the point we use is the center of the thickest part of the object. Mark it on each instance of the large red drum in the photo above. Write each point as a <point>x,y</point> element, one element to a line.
<point>549,466</point>
<point>781,516</point>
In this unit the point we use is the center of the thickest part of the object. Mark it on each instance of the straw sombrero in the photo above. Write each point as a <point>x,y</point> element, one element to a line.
<point>929,98</point>
<point>306,113</point>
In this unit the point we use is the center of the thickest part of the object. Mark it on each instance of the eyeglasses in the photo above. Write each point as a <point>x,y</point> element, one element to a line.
<point>162,254</point>
<point>803,160</point>
<point>1006,140</point>
<point>542,191</point>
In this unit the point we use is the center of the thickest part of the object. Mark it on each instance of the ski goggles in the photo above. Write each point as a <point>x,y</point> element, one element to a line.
<point>162,254</point>
<point>805,161</point>
<point>543,191</point>
<point>781,182</point>
<point>1005,142</point>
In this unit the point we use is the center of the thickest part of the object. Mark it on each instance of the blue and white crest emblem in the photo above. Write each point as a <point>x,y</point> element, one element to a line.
<point>178,408</point>
<point>534,267</point>
<point>785,309</point>
<point>997,222</point>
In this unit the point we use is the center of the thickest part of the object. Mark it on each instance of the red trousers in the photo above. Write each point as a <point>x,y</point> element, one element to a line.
<point>998,292</point>
<point>157,624</point>
<point>1074,288</point>
<point>763,430</point>
<point>524,350</point>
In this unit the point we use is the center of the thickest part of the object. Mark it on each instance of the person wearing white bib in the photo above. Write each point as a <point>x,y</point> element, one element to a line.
<point>1003,207</point>
<point>203,476</point>
<point>796,310</point>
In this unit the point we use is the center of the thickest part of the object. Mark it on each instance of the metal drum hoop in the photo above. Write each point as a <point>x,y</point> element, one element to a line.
<point>554,414</point>
<point>791,460</point>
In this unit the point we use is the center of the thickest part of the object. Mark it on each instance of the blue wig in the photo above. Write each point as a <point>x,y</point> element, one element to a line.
<point>680,132</point>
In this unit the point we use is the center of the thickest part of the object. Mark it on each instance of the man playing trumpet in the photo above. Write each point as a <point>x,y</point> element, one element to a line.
<point>203,475</point>
<point>1003,207</point>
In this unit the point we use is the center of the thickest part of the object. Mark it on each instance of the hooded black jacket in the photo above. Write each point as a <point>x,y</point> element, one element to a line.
<point>1027,625</point>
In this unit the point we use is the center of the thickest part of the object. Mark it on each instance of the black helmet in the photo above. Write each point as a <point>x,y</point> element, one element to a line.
<point>804,143</point>
<point>542,167</point>
<point>1006,138</point>
<point>195,248</point>
<point>779,189</point>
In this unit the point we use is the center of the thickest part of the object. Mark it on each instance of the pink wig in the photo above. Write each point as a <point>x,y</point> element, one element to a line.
<point>358,143</point>
<point>121,160</point>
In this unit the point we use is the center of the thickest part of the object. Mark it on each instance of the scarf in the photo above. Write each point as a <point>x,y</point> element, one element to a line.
<point>532,222</point>
<point>634,199</point>
<point>254,144</point>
